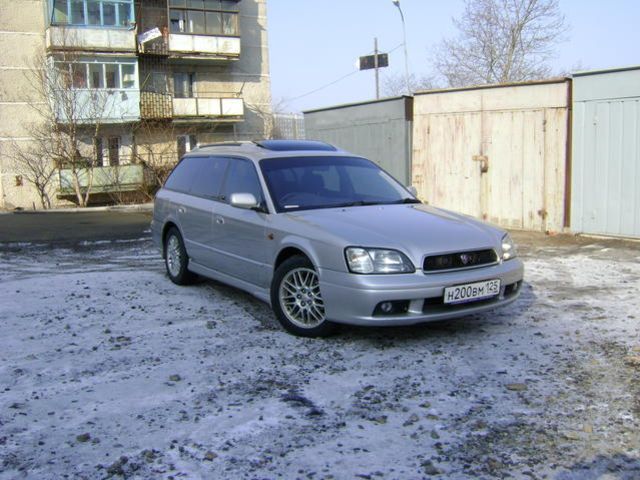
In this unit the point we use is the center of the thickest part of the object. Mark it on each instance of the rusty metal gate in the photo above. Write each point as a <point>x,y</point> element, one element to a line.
<point>498,153</point>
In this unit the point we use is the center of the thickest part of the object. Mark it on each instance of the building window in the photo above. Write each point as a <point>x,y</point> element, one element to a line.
<point>204,17</point>
<point>99,75</point>
<point>186,143</point>
<point>114,151</point>
<point>156,82</point>
<point>100,13</point>
<point>97,147</point>
<point>183,85</point>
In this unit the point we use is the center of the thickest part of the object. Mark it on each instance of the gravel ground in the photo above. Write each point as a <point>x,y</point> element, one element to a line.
<point>108,370</point>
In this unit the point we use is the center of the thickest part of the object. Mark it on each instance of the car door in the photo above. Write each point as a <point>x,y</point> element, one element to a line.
<point>205,201</point>
<point>196,209</point>
<point>240,234</point>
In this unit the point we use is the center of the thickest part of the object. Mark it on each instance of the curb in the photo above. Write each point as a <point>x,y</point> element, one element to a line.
<point>144,207</point>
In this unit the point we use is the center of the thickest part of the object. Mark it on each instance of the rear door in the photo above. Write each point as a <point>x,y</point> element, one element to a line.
<point>196,185</point>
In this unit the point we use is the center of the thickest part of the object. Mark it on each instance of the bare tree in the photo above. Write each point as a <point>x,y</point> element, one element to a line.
<point>501,41</point>
<point>156,151</point>
<point>69,118</point>
<point>266,111</point>
<point>394,85</point>
<point>35,169</point>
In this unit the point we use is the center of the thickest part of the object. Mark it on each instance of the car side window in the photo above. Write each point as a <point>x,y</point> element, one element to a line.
<point>242,178</point>
<point>209,176</point>
<point>183,175</point>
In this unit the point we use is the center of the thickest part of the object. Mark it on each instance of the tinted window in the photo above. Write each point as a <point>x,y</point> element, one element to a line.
<point>209,178</point>
<point>242,178</point>
<point>184,174</point>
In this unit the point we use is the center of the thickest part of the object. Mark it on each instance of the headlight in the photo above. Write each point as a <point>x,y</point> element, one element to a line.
<point>509,249</point>
<point>377,260</point>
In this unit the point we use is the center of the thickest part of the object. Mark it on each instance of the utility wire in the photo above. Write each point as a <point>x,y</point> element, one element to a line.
<point>335,81</point>
<point>324,86</point>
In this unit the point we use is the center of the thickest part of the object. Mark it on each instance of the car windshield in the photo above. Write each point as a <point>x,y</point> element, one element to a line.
<point>304,183</point>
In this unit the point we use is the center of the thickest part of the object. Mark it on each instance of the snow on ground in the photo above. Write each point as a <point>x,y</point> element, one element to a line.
<point>108,370</point>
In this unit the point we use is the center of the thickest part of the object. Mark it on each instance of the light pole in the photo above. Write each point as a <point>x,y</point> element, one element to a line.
<point>404,43</point>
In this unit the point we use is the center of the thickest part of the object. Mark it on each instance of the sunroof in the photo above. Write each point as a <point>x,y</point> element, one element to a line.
<point>294,145</point>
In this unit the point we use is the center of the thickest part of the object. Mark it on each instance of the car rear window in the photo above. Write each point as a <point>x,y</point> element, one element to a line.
<point>200,176</point>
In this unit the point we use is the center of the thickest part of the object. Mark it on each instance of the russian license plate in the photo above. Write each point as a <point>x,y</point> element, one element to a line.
<point>471,291</point>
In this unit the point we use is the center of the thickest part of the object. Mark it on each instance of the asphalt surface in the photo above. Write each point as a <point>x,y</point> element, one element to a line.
<point>74,226</point>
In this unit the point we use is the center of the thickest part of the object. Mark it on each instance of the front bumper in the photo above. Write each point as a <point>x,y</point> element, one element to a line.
<point>352,299</point>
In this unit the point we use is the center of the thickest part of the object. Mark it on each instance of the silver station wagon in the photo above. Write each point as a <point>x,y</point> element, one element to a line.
<point>326,237</point>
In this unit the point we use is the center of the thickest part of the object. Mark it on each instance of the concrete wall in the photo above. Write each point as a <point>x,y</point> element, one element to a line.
<point>606,153</point>
<point>21,39</point>
<point>378,130</point>
<point>497,153</point>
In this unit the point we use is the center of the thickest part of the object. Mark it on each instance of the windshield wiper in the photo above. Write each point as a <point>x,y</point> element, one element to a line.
<point>408,200</point>
<point>355,203</point>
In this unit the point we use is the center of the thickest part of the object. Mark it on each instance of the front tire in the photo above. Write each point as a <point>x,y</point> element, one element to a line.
<point>176,259</point>
<point>296,299</point>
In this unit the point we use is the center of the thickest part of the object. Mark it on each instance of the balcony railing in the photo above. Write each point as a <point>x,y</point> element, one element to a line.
<point>90,39</point>
<point>154,105</point>
<point>86,106</point>
<point>204,45</point>
<point>123,178</point>
<point>227,108</point>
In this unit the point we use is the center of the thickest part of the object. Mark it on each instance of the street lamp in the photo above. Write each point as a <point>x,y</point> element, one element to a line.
<point>404,43</point>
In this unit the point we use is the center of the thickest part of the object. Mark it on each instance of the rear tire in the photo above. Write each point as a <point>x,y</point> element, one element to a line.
<point>296,299</point>
<point>176,259</point>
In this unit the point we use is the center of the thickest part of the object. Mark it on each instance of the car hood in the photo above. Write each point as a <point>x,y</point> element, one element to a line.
<point>416,230</point>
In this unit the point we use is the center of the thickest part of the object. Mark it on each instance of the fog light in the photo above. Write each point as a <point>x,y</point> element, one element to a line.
<point>391,307</point>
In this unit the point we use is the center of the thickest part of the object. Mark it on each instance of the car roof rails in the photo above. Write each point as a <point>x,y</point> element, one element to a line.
<point>295,145</point>
<point>221,144</point>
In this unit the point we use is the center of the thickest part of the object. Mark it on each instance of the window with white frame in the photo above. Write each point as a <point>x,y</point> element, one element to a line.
<point>100,74</point>
<point>204,17</point>
<point>98,13</point>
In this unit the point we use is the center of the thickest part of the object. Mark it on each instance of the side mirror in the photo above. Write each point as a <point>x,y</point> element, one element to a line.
<point>247,201</point>
<point>413,190</point>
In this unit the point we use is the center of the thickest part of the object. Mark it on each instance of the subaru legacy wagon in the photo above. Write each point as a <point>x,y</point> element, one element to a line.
<point>326,237</point>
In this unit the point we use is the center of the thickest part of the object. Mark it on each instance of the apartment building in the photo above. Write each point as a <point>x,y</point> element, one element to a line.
<point>145,81</point>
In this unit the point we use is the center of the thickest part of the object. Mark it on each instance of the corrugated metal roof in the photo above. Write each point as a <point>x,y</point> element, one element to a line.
<point>606,70</point>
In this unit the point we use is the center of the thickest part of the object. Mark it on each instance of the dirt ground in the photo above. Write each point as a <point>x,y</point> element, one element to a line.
<point>108,370</point>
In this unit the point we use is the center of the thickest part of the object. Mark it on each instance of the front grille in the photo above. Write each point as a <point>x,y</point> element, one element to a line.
<point>458,260</point>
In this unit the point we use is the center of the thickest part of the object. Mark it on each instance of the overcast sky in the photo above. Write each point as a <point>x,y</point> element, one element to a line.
<point>315,42</point>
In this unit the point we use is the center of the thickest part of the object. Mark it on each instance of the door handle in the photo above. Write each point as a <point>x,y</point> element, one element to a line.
<point>219,220</point>
<point>181,210</point>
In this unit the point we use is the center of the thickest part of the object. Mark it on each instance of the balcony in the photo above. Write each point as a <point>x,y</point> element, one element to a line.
<point>123,178</point>
<point>90,39</point>
<point>222,109</point>
<point>88,106</point>
<point>204,46</point>
<point>156,106</point>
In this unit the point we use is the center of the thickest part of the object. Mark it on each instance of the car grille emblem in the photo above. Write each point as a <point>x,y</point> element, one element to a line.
<point>465,258</point>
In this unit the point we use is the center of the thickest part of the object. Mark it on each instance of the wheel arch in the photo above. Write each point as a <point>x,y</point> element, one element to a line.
<point>290,251</point>
<point>165,229</point>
